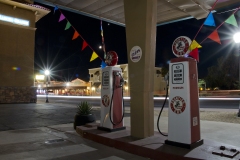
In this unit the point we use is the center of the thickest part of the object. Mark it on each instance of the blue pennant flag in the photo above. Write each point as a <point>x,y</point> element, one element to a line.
<point>55,8</point>
<point>210,20</point>
<point>103,65</point>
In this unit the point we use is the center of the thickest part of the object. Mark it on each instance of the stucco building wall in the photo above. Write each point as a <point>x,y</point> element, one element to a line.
<point>17,55</point>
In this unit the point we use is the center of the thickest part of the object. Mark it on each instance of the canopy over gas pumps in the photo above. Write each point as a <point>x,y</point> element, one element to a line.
<point>113,10</point>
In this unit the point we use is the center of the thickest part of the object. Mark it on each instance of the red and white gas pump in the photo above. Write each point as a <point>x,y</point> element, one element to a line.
<point>183,111</point>
<point>112,107</point>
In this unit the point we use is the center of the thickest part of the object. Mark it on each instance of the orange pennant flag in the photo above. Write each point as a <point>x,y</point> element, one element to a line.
<point>76,34</point>
<point>215,37</point>
<point>84,45</point>
<point>194,54</point>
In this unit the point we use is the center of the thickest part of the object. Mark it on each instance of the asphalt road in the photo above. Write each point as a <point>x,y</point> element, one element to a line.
<point>221,102</point>
<point>62,109</point>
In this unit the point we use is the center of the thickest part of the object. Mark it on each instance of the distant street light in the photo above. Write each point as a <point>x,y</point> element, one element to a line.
<point>100,47</point>
<point>236,39</point>
<point>47,73</point>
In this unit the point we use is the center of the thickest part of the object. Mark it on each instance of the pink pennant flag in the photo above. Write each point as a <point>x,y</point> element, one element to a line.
<point>76,34</point>
<point>84,45</point>
<point>194,54</point>
<point>62,17</point>
<point>215,37</point>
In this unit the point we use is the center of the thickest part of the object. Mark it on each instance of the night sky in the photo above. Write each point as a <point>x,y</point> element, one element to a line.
<point>55,49</point>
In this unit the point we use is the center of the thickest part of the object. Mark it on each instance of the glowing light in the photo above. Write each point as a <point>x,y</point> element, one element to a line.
<point>15,68</point>
<point>67,84</point>
<point>47,72</point>
<point>93,88</point>
<point>39,77</point>
<point>100,47</point>
<point>39,86</point>
<point>14,20</point>
<point>236,37</point>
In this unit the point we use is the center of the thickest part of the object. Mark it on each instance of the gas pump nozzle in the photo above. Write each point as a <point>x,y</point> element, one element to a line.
<point>121,79</point>
<point>166,78</point>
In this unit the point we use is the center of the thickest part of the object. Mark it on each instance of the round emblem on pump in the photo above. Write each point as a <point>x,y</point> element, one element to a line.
<point>111,58</point>
<point>178,105</point>
<point>180,46</point>
<point>105,100</point>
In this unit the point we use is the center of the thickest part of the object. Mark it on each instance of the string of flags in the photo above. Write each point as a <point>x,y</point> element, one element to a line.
<point>84,43</point>
<point>214,36</point>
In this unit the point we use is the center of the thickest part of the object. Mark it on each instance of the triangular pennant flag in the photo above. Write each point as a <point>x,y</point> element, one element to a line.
<point>194,54</point>
<point>232,20</point>
<point>84,45</point>
<point>55,8</point>
<point>103,64</point>
<point>215,37</point>
<point>210,20</point>
<point>94,56</point>
<point>68,25</point>
<point>76,34</point>
<point>62,17</point>
<point>194,45</point>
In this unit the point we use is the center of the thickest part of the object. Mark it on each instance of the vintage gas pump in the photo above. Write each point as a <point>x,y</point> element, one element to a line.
<point>112,105</point>
<point>183,111</point>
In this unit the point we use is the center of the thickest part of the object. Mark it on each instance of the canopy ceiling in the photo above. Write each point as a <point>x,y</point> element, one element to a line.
<point>167,10</point>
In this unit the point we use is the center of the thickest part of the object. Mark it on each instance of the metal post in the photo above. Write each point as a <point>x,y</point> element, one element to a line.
<point>47,89</point>
<point>238,78</point>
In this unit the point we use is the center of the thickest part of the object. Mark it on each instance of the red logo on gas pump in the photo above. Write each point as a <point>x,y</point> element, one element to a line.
<point>178,105</point>
<point>180,46</point>
<point>105,100</point>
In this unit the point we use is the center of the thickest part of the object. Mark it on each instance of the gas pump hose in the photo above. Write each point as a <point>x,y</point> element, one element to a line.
<point>110,110</point>
<point>161,113</point>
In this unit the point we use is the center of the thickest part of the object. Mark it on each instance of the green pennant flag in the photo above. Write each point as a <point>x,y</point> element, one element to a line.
<point>68,25</point>
<point>232,20</point>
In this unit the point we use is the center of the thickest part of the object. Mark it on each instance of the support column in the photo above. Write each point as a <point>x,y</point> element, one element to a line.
<point>140,20</point>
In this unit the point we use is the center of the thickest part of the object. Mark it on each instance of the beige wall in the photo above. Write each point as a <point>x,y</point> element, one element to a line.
<point>17,48</point>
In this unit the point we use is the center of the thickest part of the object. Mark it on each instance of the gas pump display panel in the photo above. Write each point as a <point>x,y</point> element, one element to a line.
<point>177,73</point>
<point>105,78</point>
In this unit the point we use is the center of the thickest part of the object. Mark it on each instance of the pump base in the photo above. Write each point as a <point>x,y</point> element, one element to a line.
<point>111,130</point>
<point>183,145</point>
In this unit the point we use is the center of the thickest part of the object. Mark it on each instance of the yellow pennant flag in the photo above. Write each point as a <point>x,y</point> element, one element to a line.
<point>94,56</point>
<point>194,45</point>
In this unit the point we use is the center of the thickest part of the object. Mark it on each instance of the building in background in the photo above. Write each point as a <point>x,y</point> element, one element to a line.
<point>96,77</point>
<point>17,36</point>
<point>78,87</point>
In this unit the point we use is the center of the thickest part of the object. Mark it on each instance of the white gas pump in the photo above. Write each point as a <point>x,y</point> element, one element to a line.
<point>112,107</point>
<point>183,111</point>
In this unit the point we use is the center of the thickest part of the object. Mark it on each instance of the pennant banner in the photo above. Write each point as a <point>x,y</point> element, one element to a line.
<point>76,34</point>
<point>232,20</point>
<point>68,25</point>
<point>194,54</point>
<point>94,56</point>
<point>103,64</point>
<point>215,37</point>
<point>55,8</point>
<point>62,17</point>
<point>194,45</point>
<point>84,45</point>
<point>210,20</point>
